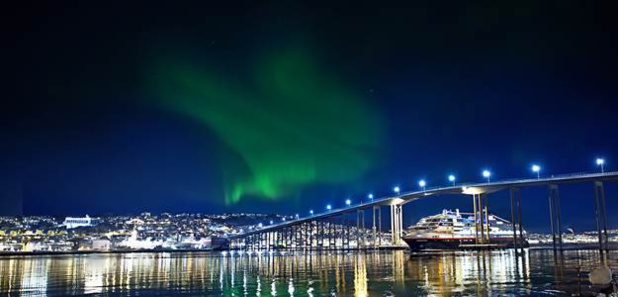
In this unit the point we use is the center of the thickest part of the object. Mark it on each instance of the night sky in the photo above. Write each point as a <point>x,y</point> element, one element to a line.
<point>225,106</point>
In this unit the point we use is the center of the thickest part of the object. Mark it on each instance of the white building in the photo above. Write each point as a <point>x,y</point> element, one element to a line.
<point>101,245</point>
<point>87,221</point>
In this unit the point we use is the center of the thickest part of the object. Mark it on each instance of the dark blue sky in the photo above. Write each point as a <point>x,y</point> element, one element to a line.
<point>461,87</point>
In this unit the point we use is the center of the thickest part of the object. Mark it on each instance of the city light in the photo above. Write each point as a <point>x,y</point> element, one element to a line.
<point>537,170</point>
<point>396,190</point>
<point>487,175</point>
<point>152,221</point>
<point>370,196</point>
<point>328,207</point>
<point>422,184</point>
<point>601,162</point>
<point>451,178</point>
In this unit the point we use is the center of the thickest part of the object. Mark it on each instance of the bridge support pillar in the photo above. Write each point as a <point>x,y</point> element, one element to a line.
<point>320,229</point>
<point>380,225</point>
<point>292,231</point>
<point>374,210</point>
<point>346,231</point>
<point>358,242</point>
<point>513,192</point>
<point>294,236</point>
<point>331,235</point>
<point>304,235</point>
<point>481,219</point>
<point>486,227</point>
<point>476,201</point>
<point>554,216</point>
<point>518,241</point>
<point>601,217</point>
<point>396,224</point>
<point>326,227</point>
<point>310,235</point>
<point>288,237</point>
<point>360,228</point>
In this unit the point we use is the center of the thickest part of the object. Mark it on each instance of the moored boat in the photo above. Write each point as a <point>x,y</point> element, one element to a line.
<point>454,230</point>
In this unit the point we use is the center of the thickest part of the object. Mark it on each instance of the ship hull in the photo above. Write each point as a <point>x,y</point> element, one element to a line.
<point>421,244</point>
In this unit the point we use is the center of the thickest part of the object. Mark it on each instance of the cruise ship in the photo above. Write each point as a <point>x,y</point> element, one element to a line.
<point>457,230</point>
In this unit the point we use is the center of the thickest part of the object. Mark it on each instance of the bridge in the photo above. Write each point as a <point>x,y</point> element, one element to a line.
<point>319,230</point>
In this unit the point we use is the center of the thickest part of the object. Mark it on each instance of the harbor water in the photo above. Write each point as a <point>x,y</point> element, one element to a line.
<point>384,273</point>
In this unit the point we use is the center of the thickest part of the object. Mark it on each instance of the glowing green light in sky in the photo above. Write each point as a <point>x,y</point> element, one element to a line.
<point>295,125</point>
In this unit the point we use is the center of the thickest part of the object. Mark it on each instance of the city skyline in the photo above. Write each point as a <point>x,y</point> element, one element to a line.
<point>286,108</point>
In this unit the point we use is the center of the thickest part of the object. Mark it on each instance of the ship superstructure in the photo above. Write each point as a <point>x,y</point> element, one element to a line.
<point>458,230</point>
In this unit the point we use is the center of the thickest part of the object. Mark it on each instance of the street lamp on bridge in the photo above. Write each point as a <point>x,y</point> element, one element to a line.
<point>487,175</point>
<point>601,162</point>
<point>328,207</point>
<point>348,202</point>
<point>422,184</point>
<point>370,196</point>
<point>451,178</point>
<point>537,170</point>
<point>311,211</point>
<point>396,190</point>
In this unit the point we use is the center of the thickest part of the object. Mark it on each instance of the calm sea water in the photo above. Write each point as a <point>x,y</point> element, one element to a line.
<point>386,273</point>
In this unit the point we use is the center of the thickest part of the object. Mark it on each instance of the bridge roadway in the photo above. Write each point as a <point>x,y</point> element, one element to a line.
<point>465,189</point>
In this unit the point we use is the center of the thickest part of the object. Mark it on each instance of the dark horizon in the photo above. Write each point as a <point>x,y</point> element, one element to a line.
<point>282,108</point>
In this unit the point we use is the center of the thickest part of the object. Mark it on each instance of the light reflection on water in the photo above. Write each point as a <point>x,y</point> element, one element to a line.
<point>300,274</point>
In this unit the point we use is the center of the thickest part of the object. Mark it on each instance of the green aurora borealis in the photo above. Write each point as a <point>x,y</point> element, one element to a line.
<point>292,126</point>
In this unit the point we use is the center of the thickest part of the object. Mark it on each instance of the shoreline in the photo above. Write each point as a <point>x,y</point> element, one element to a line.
<point>574,246</point>
<point>128,251</point>
<point>543,247</point>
